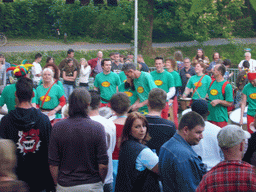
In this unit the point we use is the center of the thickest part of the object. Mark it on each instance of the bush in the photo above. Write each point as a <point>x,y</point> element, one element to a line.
<point>172,21</point>
<point>244,28</point>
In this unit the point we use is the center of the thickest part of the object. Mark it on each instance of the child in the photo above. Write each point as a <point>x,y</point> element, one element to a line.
<point>69,77</point>
<point>37,69</point>
<point>85,72</point>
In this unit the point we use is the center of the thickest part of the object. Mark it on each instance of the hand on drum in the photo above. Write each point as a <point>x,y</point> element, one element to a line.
<point>241,122</point>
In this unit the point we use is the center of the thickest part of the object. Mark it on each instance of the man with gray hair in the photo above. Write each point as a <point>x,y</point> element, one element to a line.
<point>232,174</point>
<point>96,64</point>
<point>248,57</point>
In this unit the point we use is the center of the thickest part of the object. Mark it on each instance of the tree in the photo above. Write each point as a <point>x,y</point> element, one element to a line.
<point>145,25</point>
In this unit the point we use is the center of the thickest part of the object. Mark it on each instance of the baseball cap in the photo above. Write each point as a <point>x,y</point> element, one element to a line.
<point>231,135</point>
<point>200,106</point>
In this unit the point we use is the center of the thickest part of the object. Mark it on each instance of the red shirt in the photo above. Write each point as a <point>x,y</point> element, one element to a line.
<point>119,130</point>
<point>229,176</point>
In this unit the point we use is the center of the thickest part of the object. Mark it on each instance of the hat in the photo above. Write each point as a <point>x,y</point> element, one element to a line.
<point>20,70</point>
<point>231,135</point>
<point>200,106</point>
<point>251,76</point>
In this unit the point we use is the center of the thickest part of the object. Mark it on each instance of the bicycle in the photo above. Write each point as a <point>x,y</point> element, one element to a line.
<point>3,39</point>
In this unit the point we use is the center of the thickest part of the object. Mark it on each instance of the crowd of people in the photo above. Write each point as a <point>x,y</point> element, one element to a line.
<point>126,133</point>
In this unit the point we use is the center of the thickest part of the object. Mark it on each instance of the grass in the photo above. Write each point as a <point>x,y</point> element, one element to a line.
<point>234,52</point>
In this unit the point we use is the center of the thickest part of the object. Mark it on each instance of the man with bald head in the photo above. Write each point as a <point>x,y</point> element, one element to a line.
<point>96,64</point>
<point>219,101</point>
<point>248,57</point>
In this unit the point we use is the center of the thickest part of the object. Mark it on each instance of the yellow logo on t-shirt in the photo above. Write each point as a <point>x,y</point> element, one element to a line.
<point>105,84</point>
<point>140,89</point>
<point>48,98</point>
<point>214,92</point>
<point>195,84</point>
<point>252,96</point>
<point>158,82</point>
<point>128,93</point>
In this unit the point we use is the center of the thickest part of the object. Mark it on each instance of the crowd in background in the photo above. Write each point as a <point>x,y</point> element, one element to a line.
<point>125,133</point>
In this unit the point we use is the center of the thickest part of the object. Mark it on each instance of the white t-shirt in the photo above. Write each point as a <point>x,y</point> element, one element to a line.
<point>36,69</point>
<point>252,65</point>
<point>84,74</point>
<point>110,129</point>
<point>146,159</point>
<point>208,147</point>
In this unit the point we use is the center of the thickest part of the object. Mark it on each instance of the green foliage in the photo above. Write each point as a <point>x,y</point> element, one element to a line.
<point>174,20</point>
<point>244,28</point>
<point>214,18</point>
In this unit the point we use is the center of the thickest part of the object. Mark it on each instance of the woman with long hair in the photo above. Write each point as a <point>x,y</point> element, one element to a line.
<point>200,57</point>
<point>138,165</point>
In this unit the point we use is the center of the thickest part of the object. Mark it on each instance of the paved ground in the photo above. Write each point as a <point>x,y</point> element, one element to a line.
<point>86,46</point>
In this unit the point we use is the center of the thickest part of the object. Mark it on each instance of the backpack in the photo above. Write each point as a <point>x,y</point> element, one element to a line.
<point>223,93</point>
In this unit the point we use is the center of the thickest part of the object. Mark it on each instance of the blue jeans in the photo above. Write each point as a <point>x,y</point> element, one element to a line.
<point>68,90</point>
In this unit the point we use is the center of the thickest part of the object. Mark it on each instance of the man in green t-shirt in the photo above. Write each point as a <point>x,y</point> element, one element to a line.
<point>164,80</point>
<point>128,88</point>
<point>249,96</point>
<point>198,84</point>
<point>106,82</point>
<point>143,83</point>
<point>219,101</point>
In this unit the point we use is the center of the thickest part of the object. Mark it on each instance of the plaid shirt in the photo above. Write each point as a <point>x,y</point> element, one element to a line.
<point>229,176</point>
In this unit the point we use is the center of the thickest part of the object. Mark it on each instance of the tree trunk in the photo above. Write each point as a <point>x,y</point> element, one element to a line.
<point>145,26</point>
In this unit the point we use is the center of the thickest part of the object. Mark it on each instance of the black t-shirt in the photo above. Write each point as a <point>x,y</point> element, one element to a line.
<point>160,131</point>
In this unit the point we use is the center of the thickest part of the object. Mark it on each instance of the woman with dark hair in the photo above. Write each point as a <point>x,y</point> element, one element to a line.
<point>69,77</point>
<point>200,57</point>
<point>138,165</point>
<point>50,60</point>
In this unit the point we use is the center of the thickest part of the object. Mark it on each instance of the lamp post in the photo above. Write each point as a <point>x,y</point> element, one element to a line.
<point>136,32</point>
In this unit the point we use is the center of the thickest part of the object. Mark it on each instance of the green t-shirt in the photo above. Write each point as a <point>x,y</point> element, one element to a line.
<point>177,79</point>
<point>219,113</point>
<point>58,83</point>
<point>131,94</point>
<point>8,97</point>
<point>250,91</point>
<point>163,80</point>
<point>52,99</point>
<point>107,84</point>
<point>202,87</point>
<point>122,76</point>
<point>143,85</point>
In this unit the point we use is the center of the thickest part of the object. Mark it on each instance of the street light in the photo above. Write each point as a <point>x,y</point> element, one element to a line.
<point>136,32</point>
